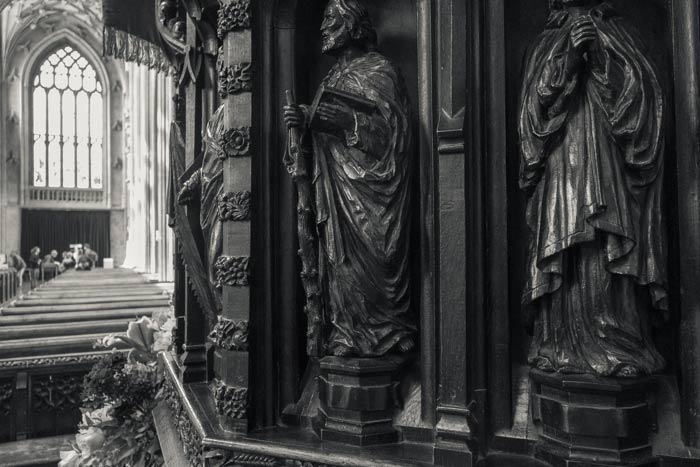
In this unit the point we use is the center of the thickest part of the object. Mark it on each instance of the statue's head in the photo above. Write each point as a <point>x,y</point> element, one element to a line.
<point>346,23</point>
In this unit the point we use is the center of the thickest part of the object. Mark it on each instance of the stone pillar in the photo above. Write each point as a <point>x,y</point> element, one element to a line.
<point>231,358</point>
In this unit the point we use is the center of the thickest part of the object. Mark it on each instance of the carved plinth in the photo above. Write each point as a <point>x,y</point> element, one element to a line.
<point>589,421</point>
<point>358,398</point>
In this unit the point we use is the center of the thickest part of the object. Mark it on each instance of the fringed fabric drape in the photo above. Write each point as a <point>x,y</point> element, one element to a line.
<point>130,33</point>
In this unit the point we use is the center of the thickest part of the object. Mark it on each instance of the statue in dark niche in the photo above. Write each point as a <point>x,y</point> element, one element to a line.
<point>358,132</point>
<point>205,184</point>
<point>591,129</point>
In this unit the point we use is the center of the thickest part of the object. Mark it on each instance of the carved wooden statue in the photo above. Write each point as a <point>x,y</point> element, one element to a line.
<point>205,184</point>
<point>591,130</point>
<point>359,133</point>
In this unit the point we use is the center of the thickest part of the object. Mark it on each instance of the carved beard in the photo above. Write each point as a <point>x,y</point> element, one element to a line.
<point>335,40</point>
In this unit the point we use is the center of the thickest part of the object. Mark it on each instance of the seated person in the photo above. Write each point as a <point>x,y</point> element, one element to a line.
<point>15,261</point>
<point>92,254</point>
<point>68,261</point>
<point>51,258</point>
<point>84,261</point>
<point>49,263</point>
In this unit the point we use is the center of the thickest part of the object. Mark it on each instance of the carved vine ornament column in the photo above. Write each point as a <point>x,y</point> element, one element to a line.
<point>232,269</point>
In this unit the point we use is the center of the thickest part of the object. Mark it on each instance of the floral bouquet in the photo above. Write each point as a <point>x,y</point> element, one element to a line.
<point>118,396</point>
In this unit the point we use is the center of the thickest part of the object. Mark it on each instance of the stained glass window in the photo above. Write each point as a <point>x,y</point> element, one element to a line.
<point>67,104</point>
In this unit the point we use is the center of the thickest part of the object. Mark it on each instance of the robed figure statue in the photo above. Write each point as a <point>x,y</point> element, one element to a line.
<point>205,184</point>
<point>358,133</point>
<point>591,129</point>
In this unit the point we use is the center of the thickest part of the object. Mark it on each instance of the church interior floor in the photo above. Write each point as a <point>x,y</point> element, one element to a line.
<point>69,313</point>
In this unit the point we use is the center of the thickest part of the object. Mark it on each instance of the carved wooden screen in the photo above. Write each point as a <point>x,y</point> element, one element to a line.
<point>67,106</point>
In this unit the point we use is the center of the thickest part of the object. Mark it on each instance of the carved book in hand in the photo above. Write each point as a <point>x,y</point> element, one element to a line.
<point>337,97</point>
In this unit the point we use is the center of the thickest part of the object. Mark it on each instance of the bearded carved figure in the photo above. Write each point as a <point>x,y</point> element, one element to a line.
<point>360,169</point>
<point>591,130</point>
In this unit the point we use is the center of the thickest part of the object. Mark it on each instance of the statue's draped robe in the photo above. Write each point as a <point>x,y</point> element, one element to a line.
<point>592,159</point>
<point>210,179</point>
<point>362,208</point>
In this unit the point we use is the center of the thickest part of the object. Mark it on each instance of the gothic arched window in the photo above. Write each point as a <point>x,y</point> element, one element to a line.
<point>67,122</point>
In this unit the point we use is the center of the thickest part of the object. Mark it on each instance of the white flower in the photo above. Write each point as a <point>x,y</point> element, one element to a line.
<point>162,341</point>
<point>90,440</point>
<point>98,416</point>
<point>69,459</point>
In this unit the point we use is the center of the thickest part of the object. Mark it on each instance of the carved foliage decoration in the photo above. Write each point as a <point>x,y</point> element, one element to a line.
<point>233,16</point>
<point>230,335</point>
<point>234,142</point>
<point>56,393</point>
<point>48,361</point>
<point>295,463</point>
<point>235,79</point>
<point>234,206</point>
<point>232,270</point>
<point>231,401</point>
<point>222,458</point>
<point>191,441</point>
<point>6,394</point>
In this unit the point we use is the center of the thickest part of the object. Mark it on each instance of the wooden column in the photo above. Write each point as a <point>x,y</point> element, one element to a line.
<point>686,42</point>
<point>428,193</point>
<point>453,398</point>
<point>496,204</point>
<point>194,362</point>
<point>231,360</point>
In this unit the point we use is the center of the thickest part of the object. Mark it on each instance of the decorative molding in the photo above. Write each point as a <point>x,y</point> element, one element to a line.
<point>222,458</point>
<point>52,361</point>
<point>230,335</point>
<point>235,79</point>
<point>6,394</point>
<point>295,463</point>
<point>233,16</point>
<point>58,393</point>
<point>234,142</point>
<point>232,271</point>
<point>230,401</point>
<point>234,206</point>
<point>191,441</point>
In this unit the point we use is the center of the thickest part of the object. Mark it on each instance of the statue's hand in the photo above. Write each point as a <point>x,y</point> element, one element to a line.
<point>337,115</point>
<point>583,34</point>
<point>294,116</point>
<point>185,196</point>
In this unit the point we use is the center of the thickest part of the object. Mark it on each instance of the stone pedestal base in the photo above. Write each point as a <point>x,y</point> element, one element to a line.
<point>358,397</point>
<point>588,421</point>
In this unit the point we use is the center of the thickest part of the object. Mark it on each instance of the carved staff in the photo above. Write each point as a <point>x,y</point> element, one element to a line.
<point>296,163</point>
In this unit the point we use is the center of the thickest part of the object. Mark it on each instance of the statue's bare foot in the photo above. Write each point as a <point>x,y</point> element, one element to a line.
<point>544,364</point>
<point>341,351</point>
<point>406,344</point>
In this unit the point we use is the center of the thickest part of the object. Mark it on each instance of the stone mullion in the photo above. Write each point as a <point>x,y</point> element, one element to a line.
<point>231,362</point>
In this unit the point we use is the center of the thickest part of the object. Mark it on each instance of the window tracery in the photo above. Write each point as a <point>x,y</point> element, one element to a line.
<point>67,105</point>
